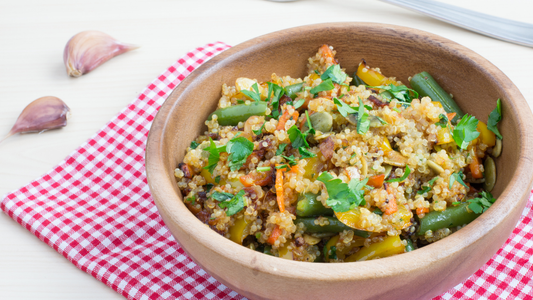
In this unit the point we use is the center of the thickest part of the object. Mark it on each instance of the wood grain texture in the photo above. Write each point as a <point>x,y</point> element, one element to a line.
<point>33,34</point>
<point>475,83</point>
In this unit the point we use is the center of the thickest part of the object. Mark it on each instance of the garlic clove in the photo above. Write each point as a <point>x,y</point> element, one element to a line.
<point>42,114</point>
<point>88,49</point>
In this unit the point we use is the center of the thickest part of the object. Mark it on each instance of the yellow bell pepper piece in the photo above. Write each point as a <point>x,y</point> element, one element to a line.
<point>403,214</point>
<point>240,230</point>
<point>313,167</point>
<point>351,218</point>
<point>390,245</point>
<point>385,145</point>
<point>444,136</point>
<point>284,251</point>
<point>369,76</point>
<point>486,136</point>
<point>437,103</point>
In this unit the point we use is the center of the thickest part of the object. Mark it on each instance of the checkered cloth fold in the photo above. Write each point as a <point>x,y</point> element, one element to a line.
<point>96,210</point>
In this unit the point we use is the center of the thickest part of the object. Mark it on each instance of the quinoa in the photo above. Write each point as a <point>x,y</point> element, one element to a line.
<point>250,179</point>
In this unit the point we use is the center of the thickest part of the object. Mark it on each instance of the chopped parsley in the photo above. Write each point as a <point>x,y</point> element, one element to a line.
<point>378,211</point>
<point>291,160</point>
<point>326,85</point>
<point>299,103</point>
<point>457,177</point>
<point>283,166</point>
<point>363,123</point>
<point>217,179</point>
<point>404,177</point>
<point>239,149</point>
<point>258,132</point>
<point>254,95</point>
<point>480,205</point>
<point>305,153</point>
<point>208,187</point>
<point>427,188</point>
<point>334,73</point>
<point>281,148</point>
<point>235,205</point>
<point>400,92</point>
<point>332,252</point>
<point>191,199</point>
<point>382,121</point>
<point>495,117</point>
<point>194,145</point>
<point>214,155</point>
<point>342,196</point>
<point>465,131</point>
<point>443,121</point>
<point>221,196</point>
<point>297,137</point>
<point>311,130</point>
<point>343,108</point>
<point>275,92</point>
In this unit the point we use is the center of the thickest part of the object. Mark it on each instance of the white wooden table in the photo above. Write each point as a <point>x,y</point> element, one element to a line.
<point>33,34</point>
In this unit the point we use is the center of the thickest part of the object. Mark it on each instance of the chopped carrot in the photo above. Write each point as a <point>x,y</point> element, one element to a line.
<point>422,210</point>
<point>256,178</point>
<point>295,169</point>
<point>327,53</point>
<point>450,115</point>
<point>392,207</point>
<point>376,181</point>
<point>279,190</point>
<point>474,167</point>
<point>274,236</point>
<point>287,116</point>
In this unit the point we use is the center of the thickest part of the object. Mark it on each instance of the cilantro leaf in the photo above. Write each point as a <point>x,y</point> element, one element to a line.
<point>274,93</point>
<point>305,153</point>
<point>382,121</point>
<point>480,205</point>
<point>457,177</point>
<point>343,196</point>
<point>281,149</point>
<point>343,108</point>
<point>363,123</point>
<point>260,130</point>
<point>254,95</point>
<point>427,188</point>
<point>495,117</point>
<point>235,205</point>
<point>214,156</point>
<point>239,149</point>
<point>299,103</point>
<point>194,145</point>
<point>217,179</point>
<point>291,160</point>
<point>400,92</point>
<point>326,85</point>
<point>443,121</point>
<point>404,177</point>
<point>221,196</point>
<point>208,187</point>
<point>191,199</point>
<point>311,130</point>
<point>465,131</point>
<point>297,137</point>
<point>335,74</point>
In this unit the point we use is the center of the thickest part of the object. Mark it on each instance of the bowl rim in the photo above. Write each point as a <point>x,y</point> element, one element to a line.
<point>515,193</point>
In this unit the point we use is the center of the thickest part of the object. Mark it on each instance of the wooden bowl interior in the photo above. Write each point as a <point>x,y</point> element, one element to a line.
<point>399,52</point>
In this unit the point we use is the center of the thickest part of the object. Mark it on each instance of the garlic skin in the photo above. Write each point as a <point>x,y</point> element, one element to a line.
<point>40,115</point>
<point>88,49</point>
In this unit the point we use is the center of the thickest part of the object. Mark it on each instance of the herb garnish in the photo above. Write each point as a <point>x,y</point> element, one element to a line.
<point>191,199</point>
<point>235,205</point>
<point>400,92</point>
<point>465,131</point>
<point>208,187</point>
<point>297,137</point>
<point>281,148</point>
<point>239,149</point>
<point>334,73</point>
<point>263,169</point>
<point>221,196</point>
<point>404,177</point>
<point>291,160</point>
<point>305,153</point>
<point>194,145</point>
<point>363,123</point>
<point>326,85</point>
<point>443,121</point>
<point>457,177</point>
<point>299,103</point>
<point>480,205</point>
<point>495,117</point>
<point>258,132</point>
<point>253,95</point>
<point>214,155</point>
<point>427,188</point>
<point>275,92</point>
<point>343,108</point>
<point>342,196</point>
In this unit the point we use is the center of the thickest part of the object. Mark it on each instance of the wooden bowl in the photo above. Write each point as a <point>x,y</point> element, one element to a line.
<point>398,51</point>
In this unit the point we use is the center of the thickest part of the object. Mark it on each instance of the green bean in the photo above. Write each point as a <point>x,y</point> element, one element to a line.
<point>291,90</point>
<point>232,115</point>
<point>357,81</point>
<point>452,217</point>
<point>409,247</point>
<point>308,206</point>
<point>425,85</point>
<point>334,226</point>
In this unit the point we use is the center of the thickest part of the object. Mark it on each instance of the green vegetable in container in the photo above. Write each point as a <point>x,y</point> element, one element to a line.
<point>232,115</point>
<point>452,217</point>
<point>334,226</point>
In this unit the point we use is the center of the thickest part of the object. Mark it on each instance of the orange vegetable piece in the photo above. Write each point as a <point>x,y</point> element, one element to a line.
<point>327,53</point>
<point>279,190</point>
<point>474,167</point>
<point>287,116</point>
<point>274,236</point>
<point>256,178</point>
<point>422,210</point>
<point>450,115</point>
<point>392,207</point>
<point>376,181</point>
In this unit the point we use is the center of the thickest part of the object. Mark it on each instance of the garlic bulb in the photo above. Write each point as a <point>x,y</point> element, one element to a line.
<point>88,49</point>
<point>42,114</point>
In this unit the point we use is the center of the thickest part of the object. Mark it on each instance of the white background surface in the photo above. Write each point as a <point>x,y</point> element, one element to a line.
<point>33,35</point>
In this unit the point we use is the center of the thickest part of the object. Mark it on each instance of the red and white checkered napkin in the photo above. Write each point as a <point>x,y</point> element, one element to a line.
<point>96,210</point>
